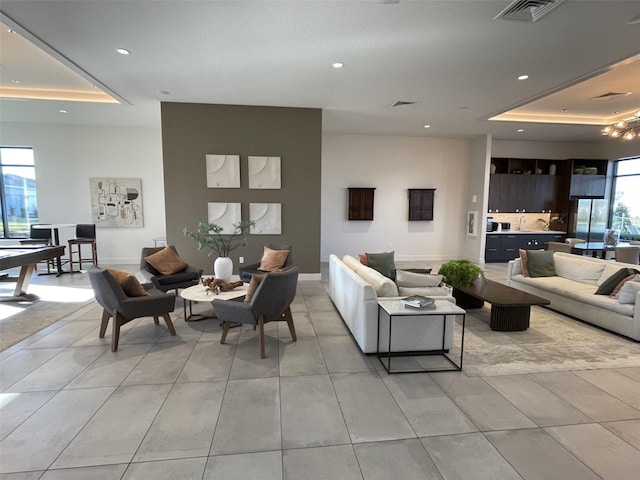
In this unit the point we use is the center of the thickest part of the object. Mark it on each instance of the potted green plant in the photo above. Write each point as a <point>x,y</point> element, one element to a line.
<point>460,273</point>
<point>211,236</point>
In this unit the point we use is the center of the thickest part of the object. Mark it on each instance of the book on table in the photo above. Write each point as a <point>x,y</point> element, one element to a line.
<point>417,301</point>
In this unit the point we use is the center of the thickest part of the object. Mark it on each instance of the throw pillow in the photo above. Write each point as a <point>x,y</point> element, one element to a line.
<point>273,260</point>
<point>129,283</point>
<point>256,278</point>
<point>363,259</point>
<point>411,279</point>
<point>540,263</point>
<point>383,263</point>
<point>618,287</point>
<point>524,263</point>
<point>166,261</point>
<point>628,292</point>
<point>610,283</point>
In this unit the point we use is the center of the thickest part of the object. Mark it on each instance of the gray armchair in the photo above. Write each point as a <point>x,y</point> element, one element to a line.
<point>270,302</point>
<point>247,271</point>
<point>123,309</point>
<point>186,278</point>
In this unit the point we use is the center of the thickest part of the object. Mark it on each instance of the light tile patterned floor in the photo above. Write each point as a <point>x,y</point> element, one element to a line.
<point>186,407</point>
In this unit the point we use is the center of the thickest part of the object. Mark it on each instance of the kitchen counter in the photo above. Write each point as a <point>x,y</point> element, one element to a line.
<point>529,232</point>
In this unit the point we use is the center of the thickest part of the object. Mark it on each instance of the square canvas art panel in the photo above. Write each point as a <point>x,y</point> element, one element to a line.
<point>225,215</point>
<point>264,172</point>
<point>267,218</point>
<point>223,171</point>
<point>116,202</point>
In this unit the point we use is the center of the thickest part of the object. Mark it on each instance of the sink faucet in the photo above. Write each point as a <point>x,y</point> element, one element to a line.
<point>522,220</point>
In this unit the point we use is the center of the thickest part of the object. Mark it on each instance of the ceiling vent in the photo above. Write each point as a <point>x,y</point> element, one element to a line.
<point>605,97</point>
<point>528,10</point>
<point>403,104</point>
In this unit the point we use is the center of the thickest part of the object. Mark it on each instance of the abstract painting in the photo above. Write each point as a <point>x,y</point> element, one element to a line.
<point>225,215</point>
<point>264,172</point>
<point>267,218</point>
<point>223,171</point>
<point>116,202</point>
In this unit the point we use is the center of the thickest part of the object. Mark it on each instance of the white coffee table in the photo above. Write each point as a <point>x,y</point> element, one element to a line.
<point>198,293</point>
<point>439,311</point>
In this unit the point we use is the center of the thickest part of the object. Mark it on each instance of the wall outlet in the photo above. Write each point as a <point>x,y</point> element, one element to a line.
<point>240,259</point>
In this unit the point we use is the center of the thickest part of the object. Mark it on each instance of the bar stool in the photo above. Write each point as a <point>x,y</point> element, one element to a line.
<point>85,235</point>
<point>39,236</point>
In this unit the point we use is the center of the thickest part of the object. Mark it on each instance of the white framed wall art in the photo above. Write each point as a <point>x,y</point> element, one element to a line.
<point>223,171</point>
<point>267,218</point>
<point>225,215</point>
<point>264,172</point>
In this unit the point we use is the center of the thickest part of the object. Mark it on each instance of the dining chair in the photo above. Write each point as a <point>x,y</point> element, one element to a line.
<point>630,254</point>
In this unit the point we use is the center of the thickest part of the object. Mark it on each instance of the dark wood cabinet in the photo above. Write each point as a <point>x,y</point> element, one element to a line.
<point>361,203</point>
<point>506,246</point>
<point>517,193</point>
<point>421,203</point>
<point>588,178</point>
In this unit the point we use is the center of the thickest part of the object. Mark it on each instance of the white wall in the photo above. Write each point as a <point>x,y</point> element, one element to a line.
<point>478,196</point>
<point>392,165</point>
<point>66,156</point>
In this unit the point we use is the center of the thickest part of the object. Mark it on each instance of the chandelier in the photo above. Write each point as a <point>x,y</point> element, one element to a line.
<point>624,129</point>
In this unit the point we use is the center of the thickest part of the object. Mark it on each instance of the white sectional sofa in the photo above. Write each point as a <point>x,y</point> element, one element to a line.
<point>354,289</point>
<point>571,292</point>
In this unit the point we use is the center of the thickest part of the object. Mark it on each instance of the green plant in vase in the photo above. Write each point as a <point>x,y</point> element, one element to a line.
<point>210,236</point>
<point>460,273</point>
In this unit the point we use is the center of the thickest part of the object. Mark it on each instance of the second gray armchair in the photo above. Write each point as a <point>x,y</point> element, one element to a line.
<point>270,302</point>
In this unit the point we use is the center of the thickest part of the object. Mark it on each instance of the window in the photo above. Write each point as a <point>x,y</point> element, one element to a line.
<point>626,199</point>
<point>18,199</point>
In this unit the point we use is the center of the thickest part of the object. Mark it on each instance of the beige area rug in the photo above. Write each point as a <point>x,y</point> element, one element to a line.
<point>553,342</point>
<point>19,320</point>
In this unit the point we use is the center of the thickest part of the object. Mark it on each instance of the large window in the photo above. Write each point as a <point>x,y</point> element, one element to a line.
<point>626,199</point>
<point>17,192</point>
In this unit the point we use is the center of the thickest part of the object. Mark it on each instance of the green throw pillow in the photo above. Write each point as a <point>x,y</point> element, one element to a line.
<point>541,263</point>
<point>610,283</point>
<point>383,263</point>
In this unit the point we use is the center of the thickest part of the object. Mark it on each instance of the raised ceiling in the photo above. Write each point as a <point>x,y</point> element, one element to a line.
<point>458,64</point>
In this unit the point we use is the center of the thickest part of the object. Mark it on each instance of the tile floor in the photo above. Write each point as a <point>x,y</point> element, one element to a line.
<point>187,407</point>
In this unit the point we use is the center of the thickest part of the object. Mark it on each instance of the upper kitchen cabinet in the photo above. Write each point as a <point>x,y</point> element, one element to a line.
<point>588,178</point>
<point>518,185</point>
<point>421,203</point>
<point>361,203</point>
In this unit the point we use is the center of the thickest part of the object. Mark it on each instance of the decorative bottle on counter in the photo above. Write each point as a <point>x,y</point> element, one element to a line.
<point>552,169</point>
<point>493,168</point>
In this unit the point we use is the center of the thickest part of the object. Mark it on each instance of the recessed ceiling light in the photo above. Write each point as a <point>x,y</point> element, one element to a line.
<point>11,30</point>
<point>520,130</point>
<point>523,77</point>
<point>123,51</point>
<point>63,111</point>
<point>427,126</point>
<point>338,65</point>
<point>565,110</point>
<point>15,81</point>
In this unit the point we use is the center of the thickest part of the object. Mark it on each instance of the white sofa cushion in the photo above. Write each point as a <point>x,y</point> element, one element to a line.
<point>426,291</point>
<point>383,286</point>
<point>579,269</point>
<point>412,279</point>
<point>629,292</point>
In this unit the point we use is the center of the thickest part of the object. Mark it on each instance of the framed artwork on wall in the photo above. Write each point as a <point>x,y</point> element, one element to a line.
<point>267,218</point>
<point>225,215</point>
<point>264,172</point>
<point>223,171</point>
<point>116,202</point>
<point>472,224</point>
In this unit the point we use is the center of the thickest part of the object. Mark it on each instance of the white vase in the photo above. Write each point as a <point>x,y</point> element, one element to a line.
<point>223,268</point>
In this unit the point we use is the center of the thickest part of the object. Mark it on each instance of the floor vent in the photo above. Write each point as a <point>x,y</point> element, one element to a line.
<point>528,10</point>
<point>403,104</point>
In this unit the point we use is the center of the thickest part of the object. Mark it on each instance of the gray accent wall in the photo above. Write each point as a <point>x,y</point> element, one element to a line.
<point>190,131</point>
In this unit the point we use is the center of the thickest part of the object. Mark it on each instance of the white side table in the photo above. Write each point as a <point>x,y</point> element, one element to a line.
<point>198,293</point>
<point>395,310</point>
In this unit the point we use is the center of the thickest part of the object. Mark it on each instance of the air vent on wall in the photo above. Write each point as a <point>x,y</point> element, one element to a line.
<point>528,10</point>
<point>403,104</point>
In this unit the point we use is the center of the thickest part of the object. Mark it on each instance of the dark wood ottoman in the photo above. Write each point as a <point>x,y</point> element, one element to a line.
<point>510,307</point>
